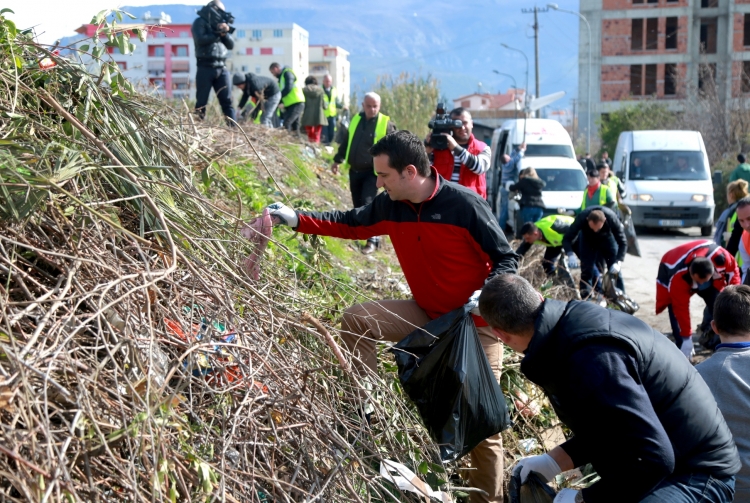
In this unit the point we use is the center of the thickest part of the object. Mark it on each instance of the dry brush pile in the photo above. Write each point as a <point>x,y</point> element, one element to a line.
<point>138,360</point>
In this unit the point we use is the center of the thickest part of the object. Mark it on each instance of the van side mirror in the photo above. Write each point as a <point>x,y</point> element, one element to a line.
<point>620,174</point>
<point>717,178</point>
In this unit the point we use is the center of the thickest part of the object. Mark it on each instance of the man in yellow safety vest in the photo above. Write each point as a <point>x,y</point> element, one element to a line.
<point>366,128</point>
<point>331,107</point>
<point>291,96</point>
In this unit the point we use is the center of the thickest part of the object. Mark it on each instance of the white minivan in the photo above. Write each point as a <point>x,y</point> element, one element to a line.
<point>549,150</point>
<point>667,178</point>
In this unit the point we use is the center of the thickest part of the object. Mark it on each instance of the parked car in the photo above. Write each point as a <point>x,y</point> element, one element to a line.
<point>667,178</point>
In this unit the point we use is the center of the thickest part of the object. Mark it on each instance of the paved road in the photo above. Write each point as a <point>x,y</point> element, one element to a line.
<point>639,274</point>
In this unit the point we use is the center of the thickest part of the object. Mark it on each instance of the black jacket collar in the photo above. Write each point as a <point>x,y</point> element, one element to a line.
<point>541,351</point>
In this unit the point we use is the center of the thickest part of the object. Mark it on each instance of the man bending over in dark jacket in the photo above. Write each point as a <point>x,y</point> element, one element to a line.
<point>212,38</point>
<point>638,411</point>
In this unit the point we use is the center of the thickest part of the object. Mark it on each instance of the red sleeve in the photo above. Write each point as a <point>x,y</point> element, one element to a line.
<point>679,291</point>
<point>359,223</point>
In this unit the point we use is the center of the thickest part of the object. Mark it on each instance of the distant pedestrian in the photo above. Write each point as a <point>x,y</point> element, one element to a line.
<point>742,170</point>
<point>727,374</point>
<point>509,175</point>
<point>314,116</point>
<point>736,190</point>
<point>212,43</point>
<point>292,96</point>
<point>610,180</point>
<point>605,159</point>
<point>597,193</point>
<point>331,105</point>
<point>260,88</point>
<point>530,186</point>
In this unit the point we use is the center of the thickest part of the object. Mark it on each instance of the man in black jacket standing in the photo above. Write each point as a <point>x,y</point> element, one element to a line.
<point>257,86</point>
<point>602,240</point>
<point>212,38</point>
<point>638,410</point>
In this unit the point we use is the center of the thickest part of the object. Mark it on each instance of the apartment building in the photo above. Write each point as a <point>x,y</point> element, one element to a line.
<point>166,62</point>
<point>664,49</point>
<point>333,60</point>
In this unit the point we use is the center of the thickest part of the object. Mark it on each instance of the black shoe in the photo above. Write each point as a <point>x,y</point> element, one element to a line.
<point>369,248</point>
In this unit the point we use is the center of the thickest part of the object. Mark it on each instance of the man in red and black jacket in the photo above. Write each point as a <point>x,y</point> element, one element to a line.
<point>467,159</point>
<point>448,244</point>
<point>699,267</point>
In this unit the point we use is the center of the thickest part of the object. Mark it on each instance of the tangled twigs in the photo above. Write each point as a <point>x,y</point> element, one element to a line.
<point>308,318</point>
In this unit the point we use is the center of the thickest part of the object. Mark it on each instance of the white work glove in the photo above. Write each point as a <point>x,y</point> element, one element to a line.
<point>283,215</point>
<point>473,302</point>
<point>566,496</point>
<point>687,347</point>
<point>615,269</point>
<point>573,261</point>
<point>543,464</point>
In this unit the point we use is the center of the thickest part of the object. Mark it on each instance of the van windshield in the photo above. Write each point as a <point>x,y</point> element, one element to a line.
<point>562,179</point>
<point>667,165</point>
<point>547,150</point>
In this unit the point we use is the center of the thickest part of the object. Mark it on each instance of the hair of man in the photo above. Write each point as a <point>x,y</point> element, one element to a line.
<point>274,66</point>
<point>745,201</point>
<point>373,95</point>
<point>741,158</point>
<point>528,228</point>
<point>509,303</point>
<point>596,216</point>
<point>702,267</point>
<point>403,148</point>
<point>458,111</point>
<point>732,310</point>
<point>593,173</point>
<point>311,80</point>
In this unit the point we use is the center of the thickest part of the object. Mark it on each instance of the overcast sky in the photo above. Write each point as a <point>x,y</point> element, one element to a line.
<point>54,19</point>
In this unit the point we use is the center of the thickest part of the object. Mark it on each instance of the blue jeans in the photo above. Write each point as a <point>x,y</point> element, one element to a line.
<point>330,130</point>
<point>692,488</point>
<point>530,214</point>
<point>503,208</point>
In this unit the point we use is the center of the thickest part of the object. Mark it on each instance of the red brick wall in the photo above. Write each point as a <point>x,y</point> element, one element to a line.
<point>628,4</point>
<point>615,84</point>
<point>616,37</point>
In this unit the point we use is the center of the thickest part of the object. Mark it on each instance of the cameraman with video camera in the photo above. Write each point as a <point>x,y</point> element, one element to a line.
<point>456,154</point>
<point>212,36</point>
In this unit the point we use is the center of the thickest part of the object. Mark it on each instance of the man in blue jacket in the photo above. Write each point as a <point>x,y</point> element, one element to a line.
<point>638,410</point>
<point>212,38</point>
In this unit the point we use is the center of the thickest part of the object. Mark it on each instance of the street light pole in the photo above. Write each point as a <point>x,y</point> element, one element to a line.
<point>554,6</point>
<point>526,91</point>
<point>515,87</point>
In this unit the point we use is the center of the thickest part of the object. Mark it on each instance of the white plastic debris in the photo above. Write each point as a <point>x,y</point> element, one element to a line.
<point>407,480</point>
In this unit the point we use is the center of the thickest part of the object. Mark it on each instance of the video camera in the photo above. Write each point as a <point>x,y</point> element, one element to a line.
<point>442,123</point>
<point>217,16</point>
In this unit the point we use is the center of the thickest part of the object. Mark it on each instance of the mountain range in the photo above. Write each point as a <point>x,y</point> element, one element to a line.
<point>458,43</point>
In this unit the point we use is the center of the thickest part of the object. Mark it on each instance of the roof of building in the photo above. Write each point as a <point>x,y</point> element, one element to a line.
<point>495,100</point>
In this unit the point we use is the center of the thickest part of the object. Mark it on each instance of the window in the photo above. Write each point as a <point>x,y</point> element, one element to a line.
<point>636,34</point>
<point>156,51</point>
<point>636,80</point>
<point>184,34</point>
<point>563,180</point>
<point>244,68</point>
<point>746,34</point>
<point>670,41</point>
<point>667,165</point>
<point>466,104</point>
<point>670,79</point>
<point>180,65</point>
<point>650,87</point>
<point>653,1</point>
<point>746,76</point>
<point>708,35</point>
<point>257,34</point>
<point>248,51</point>
<point>709,3</point>
<point>257,69</point>
<point>330,52</point>
<point>278,33</point>
<point>266,51</point>
<point>652,33</point>
<point>546,150</point>
<point>161,34</point>
<point>240,34</point>
<point>180,50</point>
<point>123,65</point>
<point>637,2</point>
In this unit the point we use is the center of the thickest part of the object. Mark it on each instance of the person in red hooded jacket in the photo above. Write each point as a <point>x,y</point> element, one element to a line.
<point>467,159</point>
<point>699,267</point>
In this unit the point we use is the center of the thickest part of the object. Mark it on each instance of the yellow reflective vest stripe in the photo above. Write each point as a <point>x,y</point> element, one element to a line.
<point>330,104</point>
<point>295,95</point>
<point>381,128</point>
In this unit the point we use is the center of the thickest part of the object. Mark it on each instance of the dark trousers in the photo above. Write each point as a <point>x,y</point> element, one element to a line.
<point>292,116</point>
<point>551,256</point>
<point>594,250</point>
<point>692,488</point>
<point>709,296</point>
<point>330,130</point>
<point>218,79</point>
<point>363,185</point>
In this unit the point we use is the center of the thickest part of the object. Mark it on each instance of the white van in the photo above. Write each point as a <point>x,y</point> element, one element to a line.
<point>549,150</point>
<point>667,177</point>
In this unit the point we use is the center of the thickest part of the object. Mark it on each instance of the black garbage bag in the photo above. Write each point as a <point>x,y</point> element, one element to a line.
<point>627,222</point>
<point>535,490</point>
<point>448,377</point>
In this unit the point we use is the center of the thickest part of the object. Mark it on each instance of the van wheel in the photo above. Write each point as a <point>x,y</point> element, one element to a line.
<point>706,230</point>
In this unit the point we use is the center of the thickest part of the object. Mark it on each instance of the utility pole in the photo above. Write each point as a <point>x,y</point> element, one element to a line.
<point>536,10</point>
